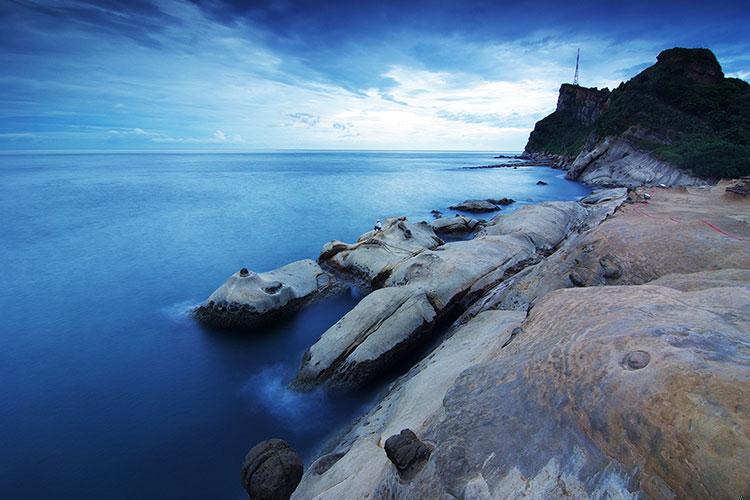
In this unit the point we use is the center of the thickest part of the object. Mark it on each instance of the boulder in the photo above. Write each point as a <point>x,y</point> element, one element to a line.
<point>407,453</point>
<point>475,206</point>
<point>271,471</point>
<point>376,252</point>
<point>249,299</point>
<point>458,224</point>
<point>541,183</point>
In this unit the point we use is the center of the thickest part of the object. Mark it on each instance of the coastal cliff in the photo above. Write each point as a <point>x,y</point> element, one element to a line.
<point>678,122</point>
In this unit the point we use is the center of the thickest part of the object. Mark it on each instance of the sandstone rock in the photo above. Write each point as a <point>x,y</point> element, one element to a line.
<point>602,195</point>
<point>359,459</point>
<point>376,253</point>
<point>271,471</point>
<point>249,299</point>
<point>546,224</point>
<point>458,224</point>
<point>672,234</point>
<point>613,392</point>
<point>407,453</point>
<point>617,162</point>
<point>389,323</point>
<point>475,206</point>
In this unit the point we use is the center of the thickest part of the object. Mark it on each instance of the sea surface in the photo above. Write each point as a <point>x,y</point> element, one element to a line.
<point>108,388</point>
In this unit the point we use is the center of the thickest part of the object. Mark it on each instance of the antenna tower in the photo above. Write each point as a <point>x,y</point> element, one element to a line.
<point>575,77</point>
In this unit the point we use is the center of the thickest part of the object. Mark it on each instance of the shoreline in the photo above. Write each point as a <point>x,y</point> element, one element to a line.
<point>473,306</point>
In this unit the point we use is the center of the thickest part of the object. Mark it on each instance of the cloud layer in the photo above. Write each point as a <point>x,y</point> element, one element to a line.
<point>285,74</point>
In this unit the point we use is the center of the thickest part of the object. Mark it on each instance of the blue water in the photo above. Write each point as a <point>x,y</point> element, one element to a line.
<point>107,388</point>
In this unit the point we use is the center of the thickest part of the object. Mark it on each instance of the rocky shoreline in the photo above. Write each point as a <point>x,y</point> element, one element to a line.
<point>600,350</point>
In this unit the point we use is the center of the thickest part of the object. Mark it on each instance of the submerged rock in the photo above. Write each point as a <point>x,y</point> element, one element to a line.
<point>475,206</point>
<point>376,252</point>
<point>271,471</point>
<point>541,183</point>
<point>249,299</point>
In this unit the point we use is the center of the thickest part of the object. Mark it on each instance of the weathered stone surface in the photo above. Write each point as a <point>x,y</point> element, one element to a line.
<point>376,253</point>
<point>248,299</point>
<point>406,452</point>
<point>676,232</point>
<point>271,471</point>
<point>607,392</point>
<point>546,224</point>
<point>475,206</point>
<point>616,162</point>
<point>460,224</point>
<point>360,460</point>
<point>385,326</point>
<point>369,338</point>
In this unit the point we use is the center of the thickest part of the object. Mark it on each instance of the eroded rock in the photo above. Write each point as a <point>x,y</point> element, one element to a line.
<point>249,299</point>
<point>376,252</point>
<point>475,206</point>
<point>271,471</point>
<point>407,453</point>
<point>460,224</point>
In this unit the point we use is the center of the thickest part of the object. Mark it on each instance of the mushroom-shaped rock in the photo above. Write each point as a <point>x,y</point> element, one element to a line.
<point>376,252</point>
<point>249,299</point>
<point>271,471</point>
<point>475,206</point>
<point>458,224</point>
<point>407,452</point>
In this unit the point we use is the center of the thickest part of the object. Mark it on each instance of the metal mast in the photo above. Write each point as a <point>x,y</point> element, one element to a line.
<point>575,77</point>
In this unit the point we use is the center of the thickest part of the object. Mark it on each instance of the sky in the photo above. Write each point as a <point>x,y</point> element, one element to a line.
<point>256,75</point>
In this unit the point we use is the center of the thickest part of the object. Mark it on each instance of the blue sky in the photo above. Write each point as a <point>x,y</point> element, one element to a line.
<point>233,74</point>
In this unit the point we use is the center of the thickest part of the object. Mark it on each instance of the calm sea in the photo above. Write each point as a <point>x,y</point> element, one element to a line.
<point>108,389</point>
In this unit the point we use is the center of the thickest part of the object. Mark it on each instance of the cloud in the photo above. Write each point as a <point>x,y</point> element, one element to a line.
<point>304,119</point>
<point>387,74</point>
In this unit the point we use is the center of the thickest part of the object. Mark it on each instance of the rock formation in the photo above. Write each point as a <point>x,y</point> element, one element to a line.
<point>459,224</point>
<point>248,299</point>
<point>376,252</point>
<point>421,291</point>
<point>271,471</point>
<point>475,206</point>
<point>632,390</point>
<point>667,125</point>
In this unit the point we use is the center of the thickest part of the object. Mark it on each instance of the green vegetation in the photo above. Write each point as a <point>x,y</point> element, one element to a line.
<point>559,134</point>
<point>681,109</point>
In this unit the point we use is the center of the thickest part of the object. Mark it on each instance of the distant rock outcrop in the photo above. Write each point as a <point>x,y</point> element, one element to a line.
<point>678,122</point>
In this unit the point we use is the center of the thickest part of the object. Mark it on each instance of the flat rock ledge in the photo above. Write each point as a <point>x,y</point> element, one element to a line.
<point>249,299</point>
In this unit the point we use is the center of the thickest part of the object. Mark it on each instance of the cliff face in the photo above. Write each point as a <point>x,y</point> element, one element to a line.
<point>583,105</point>
<point>678,121</point>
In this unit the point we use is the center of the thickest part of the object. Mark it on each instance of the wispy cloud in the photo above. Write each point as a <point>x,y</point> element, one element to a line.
<point>288,74</point>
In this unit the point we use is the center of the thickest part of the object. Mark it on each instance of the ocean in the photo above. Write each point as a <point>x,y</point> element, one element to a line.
<point>108,388</point>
